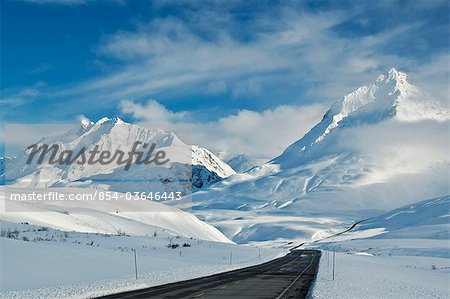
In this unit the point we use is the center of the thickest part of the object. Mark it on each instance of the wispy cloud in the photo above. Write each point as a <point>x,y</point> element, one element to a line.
<point>13,98</point>
<point>44,67</point>
<point>152,111</point>
<point>286,54</point>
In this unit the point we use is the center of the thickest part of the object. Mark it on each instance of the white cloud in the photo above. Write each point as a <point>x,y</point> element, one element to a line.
<point>394,147</point>
<point>17,137</point>
<point>261,134</point>
<point>152,111</point>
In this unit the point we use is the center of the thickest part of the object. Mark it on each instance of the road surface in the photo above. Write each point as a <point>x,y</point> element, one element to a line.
<point>290,276</point>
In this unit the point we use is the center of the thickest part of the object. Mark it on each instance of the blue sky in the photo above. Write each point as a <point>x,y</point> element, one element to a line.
<point>212,63</point>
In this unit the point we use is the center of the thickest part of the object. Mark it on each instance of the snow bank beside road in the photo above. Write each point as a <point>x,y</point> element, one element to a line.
<point>38,262</point>
<point>405,255</point>
<point>364,276</point>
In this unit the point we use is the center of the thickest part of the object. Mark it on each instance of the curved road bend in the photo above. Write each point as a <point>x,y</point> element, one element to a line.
<point>290,276</point>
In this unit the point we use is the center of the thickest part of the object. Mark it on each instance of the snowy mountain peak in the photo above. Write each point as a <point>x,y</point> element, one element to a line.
<point>85,122</point>
<point>114,120</point>
<point>118,120</point>
<point>103,120</point>
<point>395,80</point>
<point>390,96</point>
<point>385,93</point>
<point>394,74</point>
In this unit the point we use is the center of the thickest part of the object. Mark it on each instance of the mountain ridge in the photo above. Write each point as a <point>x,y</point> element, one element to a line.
<point>112,135</point>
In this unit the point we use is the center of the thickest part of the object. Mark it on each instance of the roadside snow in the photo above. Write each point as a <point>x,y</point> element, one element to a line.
<point>363,276</point>
<point>401,254</point>
<point>38,262</point>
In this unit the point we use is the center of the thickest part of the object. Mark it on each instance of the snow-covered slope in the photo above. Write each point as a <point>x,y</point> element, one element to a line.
<point>244,162</point>
<point>240,162</point>
<point>120,216</point>
<point>428,219</point>
<point>408,242</point>
<point>381,146</point>
<point>112,135</point>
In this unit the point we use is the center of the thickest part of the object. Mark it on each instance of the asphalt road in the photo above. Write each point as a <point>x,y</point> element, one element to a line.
<point>290,276</point>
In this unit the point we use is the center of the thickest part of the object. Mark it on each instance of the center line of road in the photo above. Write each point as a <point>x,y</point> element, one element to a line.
<point>199,295</point>
<point>297,278</point>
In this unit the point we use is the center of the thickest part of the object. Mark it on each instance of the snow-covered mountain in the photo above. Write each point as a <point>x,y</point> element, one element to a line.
<point>381,146</point>
<point>391,96</point>
<point>189,167</point>
<point>241,162</point>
